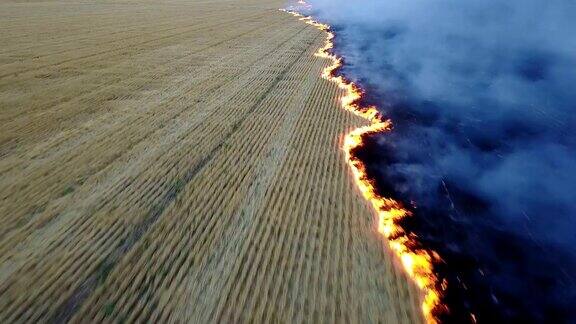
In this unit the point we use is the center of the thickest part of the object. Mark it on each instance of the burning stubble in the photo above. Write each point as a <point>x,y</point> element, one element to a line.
<point>482,155</point>
<point>418,263</point>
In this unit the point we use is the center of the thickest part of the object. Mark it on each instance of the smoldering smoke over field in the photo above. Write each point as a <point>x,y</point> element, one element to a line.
<point>482,94</point>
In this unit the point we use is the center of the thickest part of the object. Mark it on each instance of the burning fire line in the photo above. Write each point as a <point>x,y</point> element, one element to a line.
<point>417,264</point>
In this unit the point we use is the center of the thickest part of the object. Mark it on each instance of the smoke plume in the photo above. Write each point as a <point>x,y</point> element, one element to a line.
<point>482,94</point>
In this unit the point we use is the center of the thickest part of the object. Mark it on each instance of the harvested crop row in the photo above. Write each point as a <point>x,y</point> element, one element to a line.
<point>188,174</point>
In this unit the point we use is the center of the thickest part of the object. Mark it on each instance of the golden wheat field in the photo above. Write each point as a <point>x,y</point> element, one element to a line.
<point>180,161</point>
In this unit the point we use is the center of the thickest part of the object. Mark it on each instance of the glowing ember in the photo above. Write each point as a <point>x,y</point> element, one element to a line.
<point>417,264</point>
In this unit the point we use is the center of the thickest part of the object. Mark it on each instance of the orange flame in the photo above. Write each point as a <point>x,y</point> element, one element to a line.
<point>417,264</point>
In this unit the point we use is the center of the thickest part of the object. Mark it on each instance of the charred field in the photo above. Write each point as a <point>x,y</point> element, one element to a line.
<point>480,150</point>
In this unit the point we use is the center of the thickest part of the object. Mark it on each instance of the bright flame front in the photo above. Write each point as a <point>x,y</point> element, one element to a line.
<point>417,264</point>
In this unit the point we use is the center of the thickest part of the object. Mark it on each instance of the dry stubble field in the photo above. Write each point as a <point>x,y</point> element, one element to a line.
<point>179,161</point>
